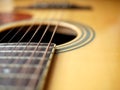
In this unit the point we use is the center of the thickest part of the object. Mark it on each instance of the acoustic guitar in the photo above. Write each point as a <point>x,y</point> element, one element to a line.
<point>73,46</point>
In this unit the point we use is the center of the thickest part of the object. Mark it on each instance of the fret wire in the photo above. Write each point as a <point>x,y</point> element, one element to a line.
<point>20,39</point>
<point>14,35</point>
<point>25,44</point>
<point>37,46</point>
<point>19,75</point>
<point>8,81</point>
<point>37,71</point>
<point>16,45</point>
<point>23,37</point>
<point>18,42</point>
<point>27,54</point>
<point>16,57</point>
<point>41,48</point>
<point>28,43</point>
<point>28,51</point>
<point>20,46</point>
<point>10,39</point>
<point>18,65</point>
<point>29,60</point>
<point>29,89</point>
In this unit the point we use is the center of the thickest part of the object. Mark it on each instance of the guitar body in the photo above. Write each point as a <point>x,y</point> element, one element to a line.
<point>95,65</point>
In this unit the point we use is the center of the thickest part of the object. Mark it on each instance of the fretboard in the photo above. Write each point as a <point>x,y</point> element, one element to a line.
<point>24,66</point>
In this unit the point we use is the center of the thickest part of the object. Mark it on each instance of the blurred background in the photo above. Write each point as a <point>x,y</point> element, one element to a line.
<point>11,10</point>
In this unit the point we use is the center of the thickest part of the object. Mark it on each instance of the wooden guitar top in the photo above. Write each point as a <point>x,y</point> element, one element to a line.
<point>95,66</point>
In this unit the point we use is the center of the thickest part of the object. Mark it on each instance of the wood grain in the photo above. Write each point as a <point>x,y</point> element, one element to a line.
<point>95,66</point>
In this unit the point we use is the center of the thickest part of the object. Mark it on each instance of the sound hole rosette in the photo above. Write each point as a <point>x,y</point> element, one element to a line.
<point>84,34</point>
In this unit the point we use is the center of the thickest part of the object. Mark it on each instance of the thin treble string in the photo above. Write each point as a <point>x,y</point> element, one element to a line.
<point>33,37</point>
<point>29,42</point>
<point>21,52</point>
<point>38,70</point>
<point>6,34</point>
<point>24,35</point>
<point>29,28</point>
<point>12,36</point>
<point>29,61</point>
<point>21,37</point>
<point>5,47</point>
<point>11,57</point>
<point>5,66</point>
<point>42,36</point>
<point>11,52</point>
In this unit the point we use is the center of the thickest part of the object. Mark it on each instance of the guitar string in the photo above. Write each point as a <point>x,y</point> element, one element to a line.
<point>12,37</point>
<point>7,56</point>
<point>6,34</point>
<point>9,33</point>
<point>38,70</point>
<point>31,57</point>
<point>7,61</point>
<point>28,61</point>
<point>19,40</point>
<point>11,52</point>
<point>23,35</point>
<point>46,29</point>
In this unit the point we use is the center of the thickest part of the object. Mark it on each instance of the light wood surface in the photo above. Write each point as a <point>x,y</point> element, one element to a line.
<point>95,66</point>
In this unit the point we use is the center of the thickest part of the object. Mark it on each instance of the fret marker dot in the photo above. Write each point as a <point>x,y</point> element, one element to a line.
<point>6,70</point>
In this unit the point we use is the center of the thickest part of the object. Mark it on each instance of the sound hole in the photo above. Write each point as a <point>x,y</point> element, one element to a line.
<point>14,34</point>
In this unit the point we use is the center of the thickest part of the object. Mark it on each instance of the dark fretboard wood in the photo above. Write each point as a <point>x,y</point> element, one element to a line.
<point>17,66</point>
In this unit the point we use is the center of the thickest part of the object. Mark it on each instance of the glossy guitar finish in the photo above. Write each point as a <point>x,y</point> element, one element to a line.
<point>96,66</point>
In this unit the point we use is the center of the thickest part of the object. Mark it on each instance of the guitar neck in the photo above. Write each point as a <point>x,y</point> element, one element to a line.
<point>25,68</point>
